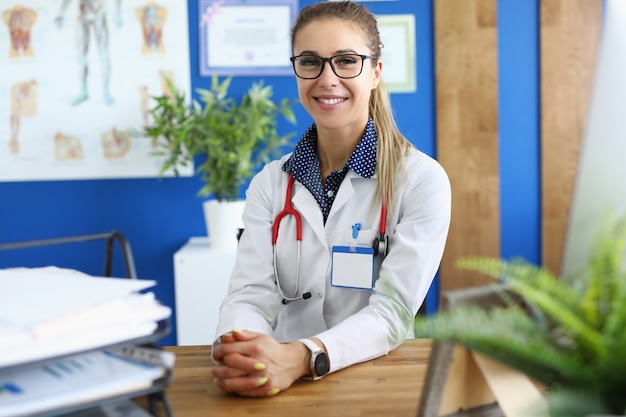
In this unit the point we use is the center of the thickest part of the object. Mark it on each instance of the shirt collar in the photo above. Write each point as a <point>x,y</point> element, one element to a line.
<point>362,161</point>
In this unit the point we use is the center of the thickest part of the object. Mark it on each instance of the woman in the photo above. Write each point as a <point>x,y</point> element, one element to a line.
<point>346,298</point>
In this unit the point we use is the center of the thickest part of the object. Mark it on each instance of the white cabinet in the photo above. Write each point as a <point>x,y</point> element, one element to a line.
<point>200,282</point>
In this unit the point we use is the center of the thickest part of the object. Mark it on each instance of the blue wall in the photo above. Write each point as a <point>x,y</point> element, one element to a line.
<point>158,216</point>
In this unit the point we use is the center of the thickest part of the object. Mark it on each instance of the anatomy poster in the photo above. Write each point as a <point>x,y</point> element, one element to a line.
<point>77,81</point>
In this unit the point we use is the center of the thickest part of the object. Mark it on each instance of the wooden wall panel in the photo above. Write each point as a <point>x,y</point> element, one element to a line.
<point>569,38</point>
<point>467,131</point>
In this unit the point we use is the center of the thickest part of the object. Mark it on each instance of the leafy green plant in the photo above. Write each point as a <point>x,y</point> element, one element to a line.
<point>570,336</point>
<point>234,138</point>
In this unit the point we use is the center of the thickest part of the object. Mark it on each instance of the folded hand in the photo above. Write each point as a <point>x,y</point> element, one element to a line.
<point>256,365</point>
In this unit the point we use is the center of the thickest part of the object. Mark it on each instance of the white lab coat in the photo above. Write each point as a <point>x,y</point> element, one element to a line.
<point>354,325</point>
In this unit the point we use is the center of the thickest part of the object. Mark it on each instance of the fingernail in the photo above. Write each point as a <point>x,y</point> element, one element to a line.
<point>217,381</point>
<point>238,330</point>
<point>274,392</point>
<point>259,366</point>
<point>261,381</point>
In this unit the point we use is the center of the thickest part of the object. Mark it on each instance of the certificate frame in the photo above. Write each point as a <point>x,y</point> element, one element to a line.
<point>238,37</point>
<point>397,34</point>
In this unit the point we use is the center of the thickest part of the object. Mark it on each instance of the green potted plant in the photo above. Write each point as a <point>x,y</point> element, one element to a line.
<point>573,343</point>
<point>228,139</point>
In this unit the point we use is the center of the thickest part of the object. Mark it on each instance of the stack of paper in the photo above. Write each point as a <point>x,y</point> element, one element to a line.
<point>47,312</point>
<point>79,379</point>
<point>55,328</point>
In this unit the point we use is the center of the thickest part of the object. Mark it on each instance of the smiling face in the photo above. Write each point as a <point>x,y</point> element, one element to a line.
<point>333,102</point>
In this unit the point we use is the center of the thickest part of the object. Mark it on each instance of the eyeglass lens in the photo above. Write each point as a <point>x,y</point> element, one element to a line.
<point>344,66</point>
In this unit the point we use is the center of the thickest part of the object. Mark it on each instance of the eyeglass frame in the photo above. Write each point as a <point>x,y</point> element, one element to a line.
<point>330,62</point>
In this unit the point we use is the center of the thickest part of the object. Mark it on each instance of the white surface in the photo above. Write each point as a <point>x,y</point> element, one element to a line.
<point>201,275</point>
<point>601,181</point>
<point>223,218</point>
<point>31,296</point>
<point>45,312</point>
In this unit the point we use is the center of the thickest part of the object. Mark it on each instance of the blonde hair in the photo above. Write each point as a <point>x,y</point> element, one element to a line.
<point>392,146</point>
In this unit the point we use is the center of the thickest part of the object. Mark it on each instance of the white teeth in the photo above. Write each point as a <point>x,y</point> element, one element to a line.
<point>330,100</point>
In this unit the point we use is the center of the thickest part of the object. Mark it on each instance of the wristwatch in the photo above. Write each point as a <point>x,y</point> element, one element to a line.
<point>319,365</point>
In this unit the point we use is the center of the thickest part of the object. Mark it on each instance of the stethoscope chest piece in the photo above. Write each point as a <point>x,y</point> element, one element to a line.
<point>381,245</point>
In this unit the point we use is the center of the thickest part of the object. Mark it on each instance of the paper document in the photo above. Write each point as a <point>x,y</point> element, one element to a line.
<point>29,296</point>
<point>51,312</point>
<point>75,380</point>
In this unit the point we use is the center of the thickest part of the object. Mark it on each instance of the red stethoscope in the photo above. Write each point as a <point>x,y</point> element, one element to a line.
<point>380,244</point>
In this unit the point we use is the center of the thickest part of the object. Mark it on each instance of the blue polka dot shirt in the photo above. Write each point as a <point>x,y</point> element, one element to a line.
<point>305,165</point>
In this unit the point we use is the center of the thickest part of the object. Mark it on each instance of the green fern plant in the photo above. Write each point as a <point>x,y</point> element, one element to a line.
<point>233,138</point>
<point>571,336</point>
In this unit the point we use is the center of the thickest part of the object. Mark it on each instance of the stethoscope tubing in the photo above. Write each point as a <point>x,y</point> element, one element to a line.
<point>280,290</point>
<point>288,210</point>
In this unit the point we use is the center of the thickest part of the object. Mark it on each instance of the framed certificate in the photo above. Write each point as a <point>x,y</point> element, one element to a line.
<point>397,33</point>
<point>240,37</point>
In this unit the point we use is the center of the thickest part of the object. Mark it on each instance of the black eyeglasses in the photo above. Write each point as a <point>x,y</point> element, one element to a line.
<point>344,66</point>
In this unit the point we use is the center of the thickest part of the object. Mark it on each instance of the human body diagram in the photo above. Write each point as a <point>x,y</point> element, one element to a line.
<point>23,104</point>
<point>78,78</point>
<point>92,21</point>
<point>19,21</point>
<point>152,17</point>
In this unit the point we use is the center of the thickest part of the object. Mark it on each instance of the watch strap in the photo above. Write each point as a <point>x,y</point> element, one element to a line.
<point>311,345</point>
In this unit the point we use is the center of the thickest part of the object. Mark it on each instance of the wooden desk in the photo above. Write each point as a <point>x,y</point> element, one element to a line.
<point>387,386</point>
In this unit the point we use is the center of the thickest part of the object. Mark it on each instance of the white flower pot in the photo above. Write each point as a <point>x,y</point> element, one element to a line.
<point>223,221</point>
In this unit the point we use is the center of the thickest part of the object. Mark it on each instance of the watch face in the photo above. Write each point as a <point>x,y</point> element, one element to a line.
<point>321,364</point>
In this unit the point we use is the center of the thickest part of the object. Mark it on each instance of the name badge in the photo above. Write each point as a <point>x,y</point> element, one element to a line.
<point>352,267</point>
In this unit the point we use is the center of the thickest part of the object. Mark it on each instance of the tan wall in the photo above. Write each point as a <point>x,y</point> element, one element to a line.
<point>467,115</point>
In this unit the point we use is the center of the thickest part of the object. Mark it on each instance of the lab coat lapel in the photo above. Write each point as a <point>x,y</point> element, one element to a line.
<point>308,208</point>
<point>345,193</point>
